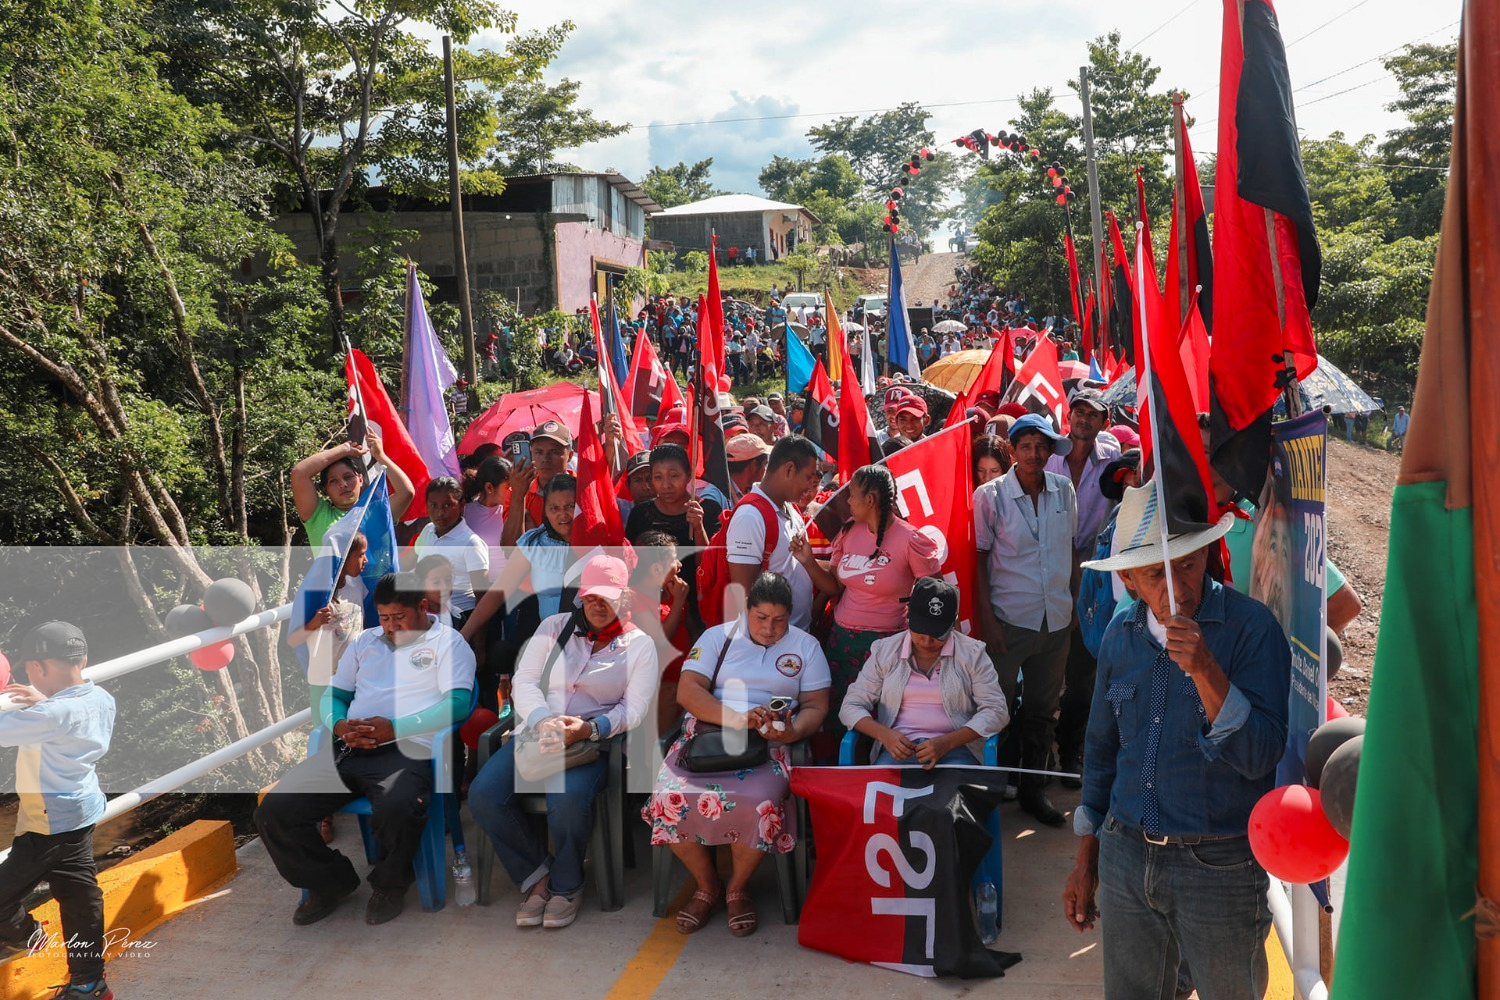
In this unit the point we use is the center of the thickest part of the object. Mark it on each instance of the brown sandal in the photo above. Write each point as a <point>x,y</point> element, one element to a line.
<point>695,914</point>
<point>742,921</point>
<point>325,829</point>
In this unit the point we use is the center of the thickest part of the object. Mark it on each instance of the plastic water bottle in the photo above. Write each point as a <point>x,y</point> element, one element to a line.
<point>987,902</point>
<point>463,879</point>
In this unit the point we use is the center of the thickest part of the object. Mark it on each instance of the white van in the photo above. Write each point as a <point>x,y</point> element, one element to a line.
<point>870,305</point>
<point>799,300</point>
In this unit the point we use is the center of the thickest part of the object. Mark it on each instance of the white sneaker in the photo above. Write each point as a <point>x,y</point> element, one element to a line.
<point>561,911</point>
<point>532,910</point>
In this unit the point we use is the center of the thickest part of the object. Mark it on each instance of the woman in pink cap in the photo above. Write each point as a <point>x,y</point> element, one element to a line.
<point>586,676</point>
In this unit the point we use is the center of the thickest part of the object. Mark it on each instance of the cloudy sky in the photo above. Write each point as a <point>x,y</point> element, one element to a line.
<point>742,82</point>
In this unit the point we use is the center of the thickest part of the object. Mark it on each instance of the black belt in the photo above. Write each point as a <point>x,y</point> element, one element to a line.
<point>1166,841</point>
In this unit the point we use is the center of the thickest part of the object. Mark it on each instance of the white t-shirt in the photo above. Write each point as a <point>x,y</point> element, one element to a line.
<point>752,675</point>
<point>745,545</point>
<point>466,551</point>
<point>391,681</point>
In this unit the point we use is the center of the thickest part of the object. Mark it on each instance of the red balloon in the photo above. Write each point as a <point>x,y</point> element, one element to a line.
<point>724,383</point>
<point>1051,171</point>
<point>1057,182</point>
<point>4,670</point>
<point>475,727</point>
<point>1335,710</point>
<point>215,656</point>
<point>1036,154</point>
<point>1062,199</point>
<point>1291,837</point>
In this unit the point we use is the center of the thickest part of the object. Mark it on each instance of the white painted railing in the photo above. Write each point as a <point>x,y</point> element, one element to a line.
<point>130,662</point>
<point>1296,922</point>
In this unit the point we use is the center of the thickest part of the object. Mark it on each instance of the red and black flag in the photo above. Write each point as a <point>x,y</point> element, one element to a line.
<point>710,457</point>
<point>1073,276</point>
<point>1168,422</point>
<point>996,376</point>
<point>650,390</point>
<point>820,421</point>
<point>901,848</point>
<point>1189,223</point>
<point>1121,298</point>
<point>1265,249</point>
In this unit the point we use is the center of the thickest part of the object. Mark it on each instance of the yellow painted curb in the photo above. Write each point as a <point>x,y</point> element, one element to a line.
<point>139,894</point>
<point>1280,985</point>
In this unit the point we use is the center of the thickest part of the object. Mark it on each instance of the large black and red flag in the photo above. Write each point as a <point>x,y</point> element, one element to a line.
<point>1265,250</point>
<point>1170,437</point>
<point>820,422</point>
<point>1038,385</point>
<point>1121,328</point>
<point>897,850</point>
<point>650,389</point>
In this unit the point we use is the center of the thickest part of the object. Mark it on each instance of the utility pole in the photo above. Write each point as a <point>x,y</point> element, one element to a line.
<point>1096,211</point>
<point>460,254</point>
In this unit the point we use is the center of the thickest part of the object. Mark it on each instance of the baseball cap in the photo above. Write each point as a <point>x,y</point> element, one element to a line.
<point>1089,397</point>
<point>734,424</point>
<point>932,608</point>
<point>603,576</point>
<point>1111,480</point>
<point>746,447</point>
<point>553,430</point>
<point>54,641</point>
<point>1127,437</point>
<point>774,397</point>
<point>640,460</point>
<point>764,412</point>
<point>894,396</point>
<point>1036,422</point>
<point>912,404</point>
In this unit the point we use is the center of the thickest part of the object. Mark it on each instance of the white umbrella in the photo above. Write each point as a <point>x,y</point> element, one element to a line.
<point>851,327</point>
<point>949,326</point>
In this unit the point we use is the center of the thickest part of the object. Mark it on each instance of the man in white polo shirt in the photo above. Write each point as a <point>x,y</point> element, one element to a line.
<point>791,472</point>
<point>396,685</point>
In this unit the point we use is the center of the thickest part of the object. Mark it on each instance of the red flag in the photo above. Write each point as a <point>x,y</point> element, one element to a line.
<point>1173,434</point>
<point>992,378</point>
<point>1193,349</point>
<point>714,316</point>
<point>1264,288</point>
<point>1073,277</point>
<point>650,389</point>
<point>1039,384</point>
<point>1188,199</point>
<point>820,420</point>
<point>367,394</point>
<point>1088,329</point>
<point>611,398</point>
<point>1122,296</point>
<point>933,484</point>
<point>857,444</point>
<point>706,441</point>
<point>598,520</point>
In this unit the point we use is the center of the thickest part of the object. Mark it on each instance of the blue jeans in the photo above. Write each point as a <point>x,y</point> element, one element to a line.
<point>496,806</point>
<point>1203,906</point>
<point>958,755</point>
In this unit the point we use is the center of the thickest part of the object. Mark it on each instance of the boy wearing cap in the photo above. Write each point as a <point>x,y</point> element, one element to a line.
<point>63,725</point>
<point>928,695</point>
<point>1188,723</point>
<point>551,451</point>
<point>911,416</point>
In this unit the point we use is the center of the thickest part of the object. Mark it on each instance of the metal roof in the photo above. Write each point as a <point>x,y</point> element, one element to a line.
<point>728,204</point>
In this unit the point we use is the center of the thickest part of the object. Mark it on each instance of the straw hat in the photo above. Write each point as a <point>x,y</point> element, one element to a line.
<point>1138,533</point>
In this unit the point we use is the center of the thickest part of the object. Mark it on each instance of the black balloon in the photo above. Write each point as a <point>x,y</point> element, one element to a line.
<point>187,619</point>
<point>1340,776</point>
<point>229,601</point>
<point>1329,737</point>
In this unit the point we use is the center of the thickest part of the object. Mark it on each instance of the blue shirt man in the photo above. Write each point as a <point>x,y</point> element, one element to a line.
<point>1188,723</point>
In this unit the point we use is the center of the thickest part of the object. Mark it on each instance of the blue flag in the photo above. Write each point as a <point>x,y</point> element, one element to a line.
<point>617,360</point>
<point>1095,374</point>
<point>799,363</point>
<point>900,347</point>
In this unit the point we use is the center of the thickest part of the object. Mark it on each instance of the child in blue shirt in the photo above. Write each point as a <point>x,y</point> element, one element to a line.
<point>62,724</point>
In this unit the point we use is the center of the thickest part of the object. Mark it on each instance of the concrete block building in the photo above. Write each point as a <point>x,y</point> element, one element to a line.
<point>742,221</point>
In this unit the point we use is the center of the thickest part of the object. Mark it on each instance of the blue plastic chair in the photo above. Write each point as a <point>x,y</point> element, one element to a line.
<point>992,865</point>
<point>431,862</point>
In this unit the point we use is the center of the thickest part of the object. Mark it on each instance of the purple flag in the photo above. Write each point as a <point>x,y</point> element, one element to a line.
<point>430,376</point>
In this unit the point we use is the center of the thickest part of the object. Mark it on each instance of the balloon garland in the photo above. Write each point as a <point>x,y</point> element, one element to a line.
<point>981,142</point>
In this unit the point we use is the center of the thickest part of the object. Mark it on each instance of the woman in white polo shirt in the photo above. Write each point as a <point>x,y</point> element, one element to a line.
<point>600,684</point>
<point>729,680</point>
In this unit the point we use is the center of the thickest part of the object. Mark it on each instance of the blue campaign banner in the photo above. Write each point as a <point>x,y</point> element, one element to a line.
<point>1289,570</point>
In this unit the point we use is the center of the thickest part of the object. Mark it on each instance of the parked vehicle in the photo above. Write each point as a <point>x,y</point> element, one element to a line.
<point>873,305</point>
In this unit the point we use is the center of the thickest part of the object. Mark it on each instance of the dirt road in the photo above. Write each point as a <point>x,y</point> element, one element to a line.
<point>930,277</point>
<point>1360,482</point>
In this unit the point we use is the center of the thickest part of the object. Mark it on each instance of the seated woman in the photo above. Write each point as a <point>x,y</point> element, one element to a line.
<point>729,680</point>
<point>929,695</point>
<point>876,558</point>
<point>600,684</point>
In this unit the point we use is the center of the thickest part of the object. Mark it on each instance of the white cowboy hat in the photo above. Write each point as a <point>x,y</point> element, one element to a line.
<point>1138,533</point>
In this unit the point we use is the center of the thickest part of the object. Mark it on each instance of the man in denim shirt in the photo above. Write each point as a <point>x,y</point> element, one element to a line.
<point>1188,722</point>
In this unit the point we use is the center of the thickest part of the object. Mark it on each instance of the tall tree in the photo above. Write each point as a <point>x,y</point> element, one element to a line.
<point>680,184</point>
<point>1418,151</point>
<point>878,145</point>
<point>329,94</point>
<point>537,121</point>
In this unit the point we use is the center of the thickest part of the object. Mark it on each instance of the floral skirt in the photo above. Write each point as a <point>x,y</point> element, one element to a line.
<point>735,807</point>
<point>847,650</point>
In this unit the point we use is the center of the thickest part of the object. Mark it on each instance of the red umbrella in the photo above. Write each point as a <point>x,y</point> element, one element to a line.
<point>523,411</point>
<point>1072,369</point>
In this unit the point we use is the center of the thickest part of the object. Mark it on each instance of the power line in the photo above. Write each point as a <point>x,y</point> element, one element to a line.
<point>820,114</point>
<point>1327,23</point>
<point>1340,93</point>
<point>1168,21</point>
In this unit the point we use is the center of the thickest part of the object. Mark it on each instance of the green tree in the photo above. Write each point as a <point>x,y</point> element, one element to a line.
<point>1419,150</point>
<point>800,261</point>
<point>536,121</point>
<point>680,184</point>
<point>329,94</point>
<point>877,146</point>
<point>1346,193</point>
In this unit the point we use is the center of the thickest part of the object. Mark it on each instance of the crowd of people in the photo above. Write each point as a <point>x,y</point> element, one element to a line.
<point>732,629</point>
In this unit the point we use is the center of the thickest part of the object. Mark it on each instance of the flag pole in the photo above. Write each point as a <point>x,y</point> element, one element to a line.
<point>1179,196</point>
<point>1147,375</point>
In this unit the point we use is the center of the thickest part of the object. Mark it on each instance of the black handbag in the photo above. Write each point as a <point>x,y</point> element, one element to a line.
<point>713,750</point>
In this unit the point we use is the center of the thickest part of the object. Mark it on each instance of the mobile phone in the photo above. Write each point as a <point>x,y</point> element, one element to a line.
<point>520,451</point>
<point>781,707</point>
